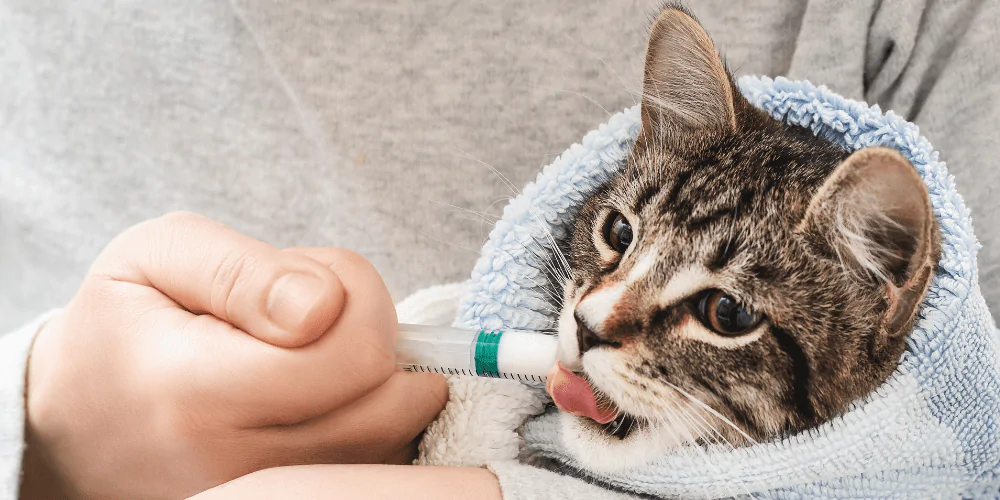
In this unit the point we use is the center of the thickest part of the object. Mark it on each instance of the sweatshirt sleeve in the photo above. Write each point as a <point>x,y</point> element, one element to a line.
<point>14,349</point>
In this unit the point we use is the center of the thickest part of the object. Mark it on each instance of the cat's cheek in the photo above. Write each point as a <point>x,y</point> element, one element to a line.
<point>598,451</point>
<point>611,372</point>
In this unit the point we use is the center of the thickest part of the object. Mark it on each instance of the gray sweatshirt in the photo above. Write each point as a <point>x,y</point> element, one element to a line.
<point>377,125</point>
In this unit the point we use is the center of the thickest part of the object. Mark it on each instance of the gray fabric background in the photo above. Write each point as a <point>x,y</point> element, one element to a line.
<point>357,124</point>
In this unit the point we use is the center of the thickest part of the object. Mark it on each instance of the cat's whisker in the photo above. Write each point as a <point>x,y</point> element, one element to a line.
<point>503,178</point>
<point>668,405</point>
<point>581,94</point>
<point>482,215</point>
<point>553,274</point>
<point>628,89</point>
<point>549,310</point>
<point>706,429</point>
<point>546,267</point>
<point>709,435</point>
<point>449,243</point>
<point>490,208</point>
<point>568,270</point>
<point>551,307</point>
<point>474,219</point>
<point>549,266</point>
<point>712,411</point>
<point>499,175</point>
<point>547,286</point>
<point>715,432</point>
<point>561,269</point>
<point>706,432</point>
<point>729,445</point>
<point>677,418</point>
<point>551,296</point>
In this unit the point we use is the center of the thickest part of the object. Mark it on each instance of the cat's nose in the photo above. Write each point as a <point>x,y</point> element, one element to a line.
<point>585,337</point>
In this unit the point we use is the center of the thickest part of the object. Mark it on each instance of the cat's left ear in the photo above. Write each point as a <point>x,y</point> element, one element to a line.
<point>874,215</point>
<point>686,91</point>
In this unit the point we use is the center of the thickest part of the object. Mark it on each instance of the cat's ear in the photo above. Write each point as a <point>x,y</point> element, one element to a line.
<point>874,214</point>
<point>685,89</point>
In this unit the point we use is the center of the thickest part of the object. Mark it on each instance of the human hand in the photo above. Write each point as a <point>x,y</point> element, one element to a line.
<point>192,355</point>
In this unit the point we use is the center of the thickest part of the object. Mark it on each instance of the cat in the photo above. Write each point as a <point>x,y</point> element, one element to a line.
<point>738,280</point>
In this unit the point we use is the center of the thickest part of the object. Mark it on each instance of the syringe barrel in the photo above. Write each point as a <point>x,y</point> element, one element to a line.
<point>511,354</point>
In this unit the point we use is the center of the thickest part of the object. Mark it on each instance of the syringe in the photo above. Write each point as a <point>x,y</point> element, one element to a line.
<point>510,354</point>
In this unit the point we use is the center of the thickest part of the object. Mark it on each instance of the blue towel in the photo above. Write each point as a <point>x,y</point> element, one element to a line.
<point>931,431</point>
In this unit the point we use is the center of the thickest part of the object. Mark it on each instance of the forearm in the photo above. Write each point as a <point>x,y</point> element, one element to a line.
<point>360,481</point>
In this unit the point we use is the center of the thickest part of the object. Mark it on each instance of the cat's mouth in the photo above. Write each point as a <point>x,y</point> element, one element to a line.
<point>573,394</point>
<point>621,426</point>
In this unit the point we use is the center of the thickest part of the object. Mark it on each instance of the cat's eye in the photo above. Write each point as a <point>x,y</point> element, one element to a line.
<point>618,232</point>
<point>725,315</point>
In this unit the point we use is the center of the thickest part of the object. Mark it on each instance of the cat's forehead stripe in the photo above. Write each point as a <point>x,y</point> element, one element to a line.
<point>646,196</point>
<point>675,189</point>
<point>643,264</point>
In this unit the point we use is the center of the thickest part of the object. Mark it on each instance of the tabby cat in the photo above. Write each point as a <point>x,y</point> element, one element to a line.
<point>738,279</point>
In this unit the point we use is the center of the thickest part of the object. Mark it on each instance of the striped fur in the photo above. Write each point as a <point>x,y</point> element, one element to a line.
<point>835,249</point>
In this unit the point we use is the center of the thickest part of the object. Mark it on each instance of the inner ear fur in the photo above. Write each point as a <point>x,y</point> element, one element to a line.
<point>686,89</point>
<point>874,215</point>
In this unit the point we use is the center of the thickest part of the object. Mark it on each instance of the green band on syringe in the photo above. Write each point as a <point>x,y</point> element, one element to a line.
<point>487,344</point>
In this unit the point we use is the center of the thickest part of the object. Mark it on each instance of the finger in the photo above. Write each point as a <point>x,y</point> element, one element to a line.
<point>255,384</point>
<point>283,298</point>
<point>376,427</point>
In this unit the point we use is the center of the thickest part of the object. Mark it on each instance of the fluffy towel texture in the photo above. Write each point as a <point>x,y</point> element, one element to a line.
<point>479,423</point>
<point>931,431</point>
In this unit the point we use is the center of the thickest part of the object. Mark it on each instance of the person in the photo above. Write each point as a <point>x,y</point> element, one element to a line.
<point>313,125</point>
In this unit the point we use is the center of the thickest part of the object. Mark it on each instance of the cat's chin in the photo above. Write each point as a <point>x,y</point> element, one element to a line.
<point>597,449</point>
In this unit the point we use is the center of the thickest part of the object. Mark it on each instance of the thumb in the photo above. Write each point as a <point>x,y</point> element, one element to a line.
<point>283,298</point>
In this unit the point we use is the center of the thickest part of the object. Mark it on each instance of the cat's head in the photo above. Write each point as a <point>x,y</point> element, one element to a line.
<point>736,269</point>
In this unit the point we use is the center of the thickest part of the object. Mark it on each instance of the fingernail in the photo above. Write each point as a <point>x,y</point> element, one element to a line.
<point>292,298</point>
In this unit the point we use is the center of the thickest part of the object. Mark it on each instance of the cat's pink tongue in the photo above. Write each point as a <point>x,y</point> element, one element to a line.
<point>572,394</point>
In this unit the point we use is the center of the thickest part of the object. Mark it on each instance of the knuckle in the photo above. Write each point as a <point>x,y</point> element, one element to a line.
<point>230,272</point>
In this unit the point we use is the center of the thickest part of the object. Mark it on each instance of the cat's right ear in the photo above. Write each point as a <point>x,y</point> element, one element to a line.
<point>686,90</point>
